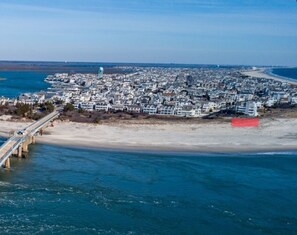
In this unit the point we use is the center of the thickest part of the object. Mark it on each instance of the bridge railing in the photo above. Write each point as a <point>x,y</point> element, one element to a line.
<point>20,139</point>
<point>43,122</point>
<point>9,152</point>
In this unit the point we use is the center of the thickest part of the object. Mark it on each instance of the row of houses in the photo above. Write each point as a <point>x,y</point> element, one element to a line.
<point>184,111</point>
<point>31,99</point>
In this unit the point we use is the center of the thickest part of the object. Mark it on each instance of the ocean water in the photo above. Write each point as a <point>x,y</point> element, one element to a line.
<point>62,190</point>
<point>17,82</point>
<point>286,72</point>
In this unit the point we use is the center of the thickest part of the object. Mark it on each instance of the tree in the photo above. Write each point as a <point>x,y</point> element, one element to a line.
<point>23,109</point>
<point>47,107</point>
<point>68,107</point>
<point>59,102</point>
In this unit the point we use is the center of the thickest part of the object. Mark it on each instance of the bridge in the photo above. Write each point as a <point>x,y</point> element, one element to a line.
<point>17,145</point>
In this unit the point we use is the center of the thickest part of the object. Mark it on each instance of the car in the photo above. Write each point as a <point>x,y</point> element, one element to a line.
<point>20,133</point>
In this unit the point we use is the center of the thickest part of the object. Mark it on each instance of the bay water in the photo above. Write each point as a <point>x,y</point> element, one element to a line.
<point>14,83</point>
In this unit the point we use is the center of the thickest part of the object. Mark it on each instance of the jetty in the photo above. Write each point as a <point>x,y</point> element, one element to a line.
<point>17,145</point>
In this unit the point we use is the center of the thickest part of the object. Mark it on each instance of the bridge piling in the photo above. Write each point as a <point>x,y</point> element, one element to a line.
<point>17,144</point>
<point>7,163</point>
<point>33,140</point>
<point>15,152</point>
<point>20,152</point>
<point>25,146</point>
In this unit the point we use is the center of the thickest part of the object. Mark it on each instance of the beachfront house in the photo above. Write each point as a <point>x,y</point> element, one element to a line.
<point>150,109</point>
<point>102,106</point>
<point>248,108</point>
<point>133,108</point>
<point>89,106</point>
<point>293,99</point>
<point>209,107</point>
<point>117,107</point>
<point>270,102</point>
<point>188,111</point>
<point>167,110</point>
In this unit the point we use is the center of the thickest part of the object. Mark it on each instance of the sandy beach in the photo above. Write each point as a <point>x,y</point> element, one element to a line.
<point>273,134</point>
<point>260,73</point>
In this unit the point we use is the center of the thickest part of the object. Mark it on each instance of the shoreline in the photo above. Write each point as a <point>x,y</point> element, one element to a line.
<point>270,72</point>
<point>267,74</point>
<point>273,135</point>
<point>166,150</point>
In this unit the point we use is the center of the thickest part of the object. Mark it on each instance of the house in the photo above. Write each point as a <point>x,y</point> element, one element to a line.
<point>150,109</point>
<point>89,106</point>
<point>293,100</point>
<point>133,108</point>
<point>270,102</point>
<point>102,106</point>
<point>28,98</point>
<point>117,107</point>
<point>167,110</point>
<point>248,108</point>
<point>209,107</point>
<point>188,111</point>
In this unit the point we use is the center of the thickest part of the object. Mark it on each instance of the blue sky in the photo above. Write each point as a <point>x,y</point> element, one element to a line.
<point>256,32</point>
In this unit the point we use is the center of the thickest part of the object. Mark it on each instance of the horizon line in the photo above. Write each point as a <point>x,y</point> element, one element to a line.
<point>148,63</point>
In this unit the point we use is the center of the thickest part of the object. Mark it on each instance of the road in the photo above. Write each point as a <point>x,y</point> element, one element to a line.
<point>13,143</point>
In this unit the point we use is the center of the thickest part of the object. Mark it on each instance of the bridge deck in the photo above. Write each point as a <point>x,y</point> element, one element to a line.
<point>6,150</point>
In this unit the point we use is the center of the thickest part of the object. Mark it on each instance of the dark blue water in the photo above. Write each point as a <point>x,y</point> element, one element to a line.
<point>17,82</point>
<point>286,72</point>
<point>88,66</point>
<point>77,191</point>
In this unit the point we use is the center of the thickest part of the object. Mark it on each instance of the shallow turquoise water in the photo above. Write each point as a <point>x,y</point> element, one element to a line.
<point>80,191</point>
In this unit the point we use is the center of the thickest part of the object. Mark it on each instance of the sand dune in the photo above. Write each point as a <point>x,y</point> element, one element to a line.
<point>273,134</point>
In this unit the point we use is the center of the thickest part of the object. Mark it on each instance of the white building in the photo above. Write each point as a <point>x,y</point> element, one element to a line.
<point>209,107</point>
<point>102,106</point>
<point>133,108</point>
<point>188,111</point>
<point>293,100</point>
<point>150,109</point>
<point>117,107</point>
<point>89,106</point>
<point>248,108</point>
<point>31,99</point>
<point>270,102</point>
<point>167,110</point>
